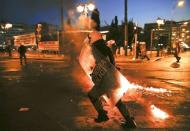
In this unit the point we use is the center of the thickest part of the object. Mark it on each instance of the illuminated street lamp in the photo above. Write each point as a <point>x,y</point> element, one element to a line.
<point>151,40</point>
<point>85,8</point>
<point>178,4</point>
<point>6,27</point>
<point>160,22</point>
<point>126,26</point>
<point>136,38</point>
<point>181,3</point>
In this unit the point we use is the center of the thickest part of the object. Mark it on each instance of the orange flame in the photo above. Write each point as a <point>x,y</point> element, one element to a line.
<point>125,84</point>
<point>158,113</point>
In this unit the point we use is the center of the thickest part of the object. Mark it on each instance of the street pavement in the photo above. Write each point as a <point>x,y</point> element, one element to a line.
<point>50,95</point>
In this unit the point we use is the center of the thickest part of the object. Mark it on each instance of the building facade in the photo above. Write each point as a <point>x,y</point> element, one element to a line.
<point>165,35</point>
<point>14,30</point>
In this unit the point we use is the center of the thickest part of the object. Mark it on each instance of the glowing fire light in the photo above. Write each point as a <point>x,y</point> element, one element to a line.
<point>125,84</point>
<point>157,90</point>
<point>158,113</point>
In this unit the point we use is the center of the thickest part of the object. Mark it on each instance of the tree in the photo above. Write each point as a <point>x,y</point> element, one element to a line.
<point>114,32</point>
<point>130,32</point>
<point>116,21</point>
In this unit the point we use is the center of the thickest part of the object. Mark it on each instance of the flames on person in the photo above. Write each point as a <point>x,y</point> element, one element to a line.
<point>158,113</point>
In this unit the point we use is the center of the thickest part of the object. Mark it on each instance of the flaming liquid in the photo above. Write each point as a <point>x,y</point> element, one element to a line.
<point>125,85</point>
<point>158,113</point>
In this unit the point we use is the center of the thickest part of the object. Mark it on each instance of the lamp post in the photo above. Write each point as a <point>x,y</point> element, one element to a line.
<point>136,38</point>
<point>38,33</point>
<point>6,27</point>
<point>84,10</point>
<point>160,22</point>
<point>126,27</point>
<point>179,4</point>
<point>151,41</point>
<point>62,17</point>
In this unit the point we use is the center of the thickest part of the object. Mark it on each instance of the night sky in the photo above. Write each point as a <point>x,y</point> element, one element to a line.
<point>141,11</point>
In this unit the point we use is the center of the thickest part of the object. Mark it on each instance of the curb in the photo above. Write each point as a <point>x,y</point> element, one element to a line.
<point>61,59</point>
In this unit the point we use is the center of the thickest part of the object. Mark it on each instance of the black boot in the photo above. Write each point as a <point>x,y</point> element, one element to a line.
<point>102,116</point>
<point>129,123</point>
<point>178,58</point>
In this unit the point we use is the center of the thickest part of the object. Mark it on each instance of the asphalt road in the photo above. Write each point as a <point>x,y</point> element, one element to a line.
<point>53,98</point>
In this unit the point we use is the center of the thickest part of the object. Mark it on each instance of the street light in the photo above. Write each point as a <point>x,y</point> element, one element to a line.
<point>151,40</point>
<point>135,36</point>
<point>6,27</point>
<point>160,22</point>
<point>181,3</point>
<point>126,26</point>
<point>178,4</point>
<point>84,10</point>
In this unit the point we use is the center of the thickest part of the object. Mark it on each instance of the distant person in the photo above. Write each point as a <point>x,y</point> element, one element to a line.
<point>72,51</point>
<point>22,52</point>
<point>176,51</point>
<point>143,52</point>
<point>138,51</point>
<point>168,50</point>
<point>9,48</point>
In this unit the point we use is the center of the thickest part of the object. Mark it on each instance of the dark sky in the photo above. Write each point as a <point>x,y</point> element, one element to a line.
<point>141,11</point>
<point>33,11</point>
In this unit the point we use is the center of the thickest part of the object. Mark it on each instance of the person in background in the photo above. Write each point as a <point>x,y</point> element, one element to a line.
<point>22,53</point>
<point>9,48</point>
<point>138,51</point>
<point>143,52</point>
<point>177,50</point>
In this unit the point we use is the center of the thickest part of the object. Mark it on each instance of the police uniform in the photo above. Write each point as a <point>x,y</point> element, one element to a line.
<point>105,82</point>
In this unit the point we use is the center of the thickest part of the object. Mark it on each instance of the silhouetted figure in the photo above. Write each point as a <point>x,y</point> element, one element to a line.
<point>98,44</point>
<point>72,52</point>
<point>138,51</point>
<point>176,51</point>
<point>143,52</point>
<point>22,52</point>
<point>9,50</point>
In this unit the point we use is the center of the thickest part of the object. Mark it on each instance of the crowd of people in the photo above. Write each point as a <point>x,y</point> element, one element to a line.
<point>139,50</point>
